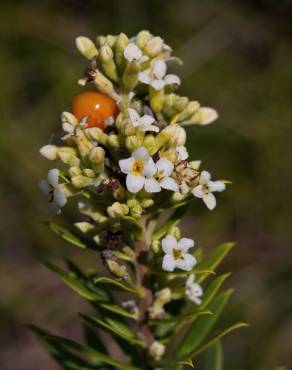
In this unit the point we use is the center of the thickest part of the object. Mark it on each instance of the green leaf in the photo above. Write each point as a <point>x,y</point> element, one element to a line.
<point>65,234</point>
<point>179,318</point>
<point>68,344</point>
<point>218,337</point>
<point>199,329</point>
<point>86,290</point>
<point>213,288</point>
<point>118,310</point>
<point>115,328</point>
<point>214,357</point>
<point>117,284</point>
<point>173,221</point>
<point>131,226</point>
<point>213,259</point>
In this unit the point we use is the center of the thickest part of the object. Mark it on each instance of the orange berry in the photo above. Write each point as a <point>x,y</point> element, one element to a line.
<point>97,106</point>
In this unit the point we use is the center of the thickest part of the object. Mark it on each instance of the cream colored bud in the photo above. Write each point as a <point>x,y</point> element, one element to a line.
<point>189,111</point>
<point>136,211</point>
<point>128,129</point>
<point>96,155</point>
<point>105,86</point>
<point>97,134</point>
<point>119,47</point>
<point>68,117</point>
<point>86,47</point>
<point>74,171</point>
<point>142,38</point>
<point>113,141</point>
<point>149,142</point>
<point>116,269</point>
<point>163,297</point>
<point>154,47</point>
<point>173,135</point>
<point>195,165</point>
<point>80,181</point>
<point>175,232</point>
<point>101,40</point>
<point>68,155</point>
<point>204,116</point>
<point>88,209</point>
<point>130,76</point>
<point>155,246</point>
<point>67,189</point>
<point>89,173</point>
<point>84,227</point>
<point>117,210</point>
<point>50,152</point>
<point>156,350</point>
<point>110,40</point>
<point>181,103</point>
<point>145,203</point>
<point>106,58</point>
<point>133,142</point>
<point>179,136</point>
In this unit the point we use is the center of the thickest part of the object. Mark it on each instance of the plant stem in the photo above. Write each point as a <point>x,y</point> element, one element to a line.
<point>142,279</point>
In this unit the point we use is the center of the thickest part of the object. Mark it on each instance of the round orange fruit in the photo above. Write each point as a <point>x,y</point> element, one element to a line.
<point>96,105</point>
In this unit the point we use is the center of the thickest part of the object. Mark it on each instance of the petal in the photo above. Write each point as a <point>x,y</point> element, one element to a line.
<point>49,151</point>
<point>172,80</point>
<point>133,115</point>
<point>187,263</point>
<point>169,183</point>
<point>198,191</point>
<point>44,187</point>
<point>205,177</point>
<point>190,280</point>
<point>159,69</point>
<point>147,120</point>
<point>168,244</point>
<point>168,263</point>
<point>157,84</point>
<point>141,154</point>
<point>207,115</point>
<point>132,52</point>
<point>182,152</point>
<point>67,127</point>
<point>149,168</point>
<point>149,128</point>
<point>152,186</point>
<point>210,200</point>
<point>59,198</point>
<point>126,165</point>
<point>144,77</point>
<point>216,186</point>
<point>53,177</point>
<point>165,165</point>
<point>135,183</point>
<point>185,244</point>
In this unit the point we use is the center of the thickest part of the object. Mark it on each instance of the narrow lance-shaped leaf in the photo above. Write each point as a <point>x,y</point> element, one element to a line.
<point>214,357</point>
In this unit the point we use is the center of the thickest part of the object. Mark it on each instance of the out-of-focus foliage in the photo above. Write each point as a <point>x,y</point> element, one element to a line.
<point>238,60</point>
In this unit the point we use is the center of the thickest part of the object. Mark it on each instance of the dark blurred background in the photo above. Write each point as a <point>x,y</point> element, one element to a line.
<point>237,58</point>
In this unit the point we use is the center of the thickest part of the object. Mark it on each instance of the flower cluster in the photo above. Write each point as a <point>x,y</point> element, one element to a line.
<point>132,163</point>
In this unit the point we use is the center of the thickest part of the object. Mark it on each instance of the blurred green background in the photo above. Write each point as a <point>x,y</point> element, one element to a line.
<point>237,58</point>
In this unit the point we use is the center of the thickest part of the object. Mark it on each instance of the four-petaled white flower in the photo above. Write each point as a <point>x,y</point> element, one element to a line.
<point>162,176</point>
<point>156,76</point>
<point>50,188</point>
<point>206,188</point>
<point>193,290</point>
<point>133,53</point>
<point>143,123</point>
<point>176,254</point>
<point>140,169</point>
<point>182,153</point>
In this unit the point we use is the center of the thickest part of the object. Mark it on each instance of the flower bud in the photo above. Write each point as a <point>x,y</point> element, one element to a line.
<point>156,99</point>
<point>69,118</point>
<point>84,227</point>
<point>104,85</point>
<point>163,297</point>
<point>89,173</point>
<point>154,47</point>
<point>106,58</point>
<point>117,210</point>
<point>133,142</point>
<point>179,137</point>
<point>173,135</point>
<point>175,232</point>
<point>80,181</point>
<point>155,246</point>
<point>195,165</point>
<point>68,155</point>
<point>204,116</point>
<point>136,211</point>
<point>149,142</point>
<point>116,269</point>
<point>86,47</point>
<point>97,134</point>
<point>130,76</point>
<point>145,203</point>
<point>50,152</point>
<point>189,111</point>
<point>181,103</point>
<point>96,155</point>
<point>142,38</point>
<point>156,350</point>
<point>127,129</point>
<point>89,210</point>
<point>113,141</point>
<point>119,47</point>
<point>74,171</point>
<point>101,40</point>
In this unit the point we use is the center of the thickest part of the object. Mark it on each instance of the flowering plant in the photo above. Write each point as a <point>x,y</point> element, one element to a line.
<point>156,299</point>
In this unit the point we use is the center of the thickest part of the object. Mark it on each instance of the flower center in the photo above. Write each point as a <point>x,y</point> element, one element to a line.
<point>159,176</point>
<point>177,254</point>
<point>138,167</point>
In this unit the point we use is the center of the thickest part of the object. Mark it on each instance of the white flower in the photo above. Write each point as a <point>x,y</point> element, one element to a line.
<point>140,169</point>
<point>133,53</point>
<point>50,188</point>
<point>182,153</point>
<point>157,350</point>
<point>206,188</point>
<point>162,176</point>
<point>193,290</point>
<point>143,123</point>
<point>156,76</point>
<point>176,254</point>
